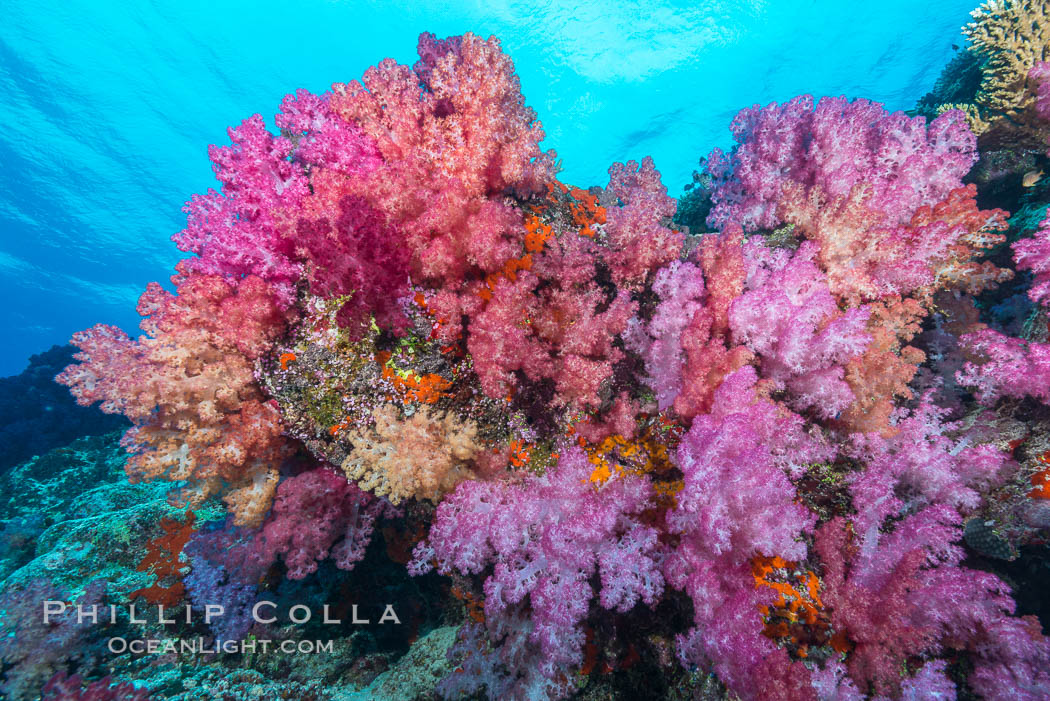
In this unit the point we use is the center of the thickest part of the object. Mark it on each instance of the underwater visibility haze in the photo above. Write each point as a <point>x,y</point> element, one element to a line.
<point>110,107</point>
<point>514,351</point>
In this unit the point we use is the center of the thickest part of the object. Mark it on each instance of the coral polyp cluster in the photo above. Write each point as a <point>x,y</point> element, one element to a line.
<point>766,440</point>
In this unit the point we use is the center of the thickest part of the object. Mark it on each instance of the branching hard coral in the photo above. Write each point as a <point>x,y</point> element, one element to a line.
<point>1011,36</point>
<point>997,79</point>
<point>423,456</point>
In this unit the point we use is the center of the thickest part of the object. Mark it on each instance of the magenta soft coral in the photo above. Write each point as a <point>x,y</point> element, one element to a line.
<point>544,540</point>
<point>358,255</point>
<point>1034,254</point>
<point>922,461</point>
<point>738,502</point>
<point>238,232</point>
<point>726,508</point>
<point>1005,366</point>
<point>923,603</point>
<point>549,323</point>
<point>880,192</point>
<point>686,344</point>
<point>788,317</point>
<point>680,288</point>
<point>324,140</point>
<point>892,579</point>
<point>33,649</point>
<point>833,147</point>
<point>317,514</point>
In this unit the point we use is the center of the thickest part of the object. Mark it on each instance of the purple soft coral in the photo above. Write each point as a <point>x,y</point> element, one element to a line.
<point>737,502</point>
<point>788,317</point>
<point>833,147</point>
<point>318,513</point>
<point>545,539</point>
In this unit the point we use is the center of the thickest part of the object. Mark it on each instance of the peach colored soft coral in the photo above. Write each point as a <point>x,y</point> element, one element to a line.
<point>188,385</point>
<point>423,456</point>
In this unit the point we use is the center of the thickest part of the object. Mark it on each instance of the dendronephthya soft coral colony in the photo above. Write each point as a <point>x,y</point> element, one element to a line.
<point>608,414</point>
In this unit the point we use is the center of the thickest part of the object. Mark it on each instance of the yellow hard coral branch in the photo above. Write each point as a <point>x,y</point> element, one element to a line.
<point>977,123</point>
<point>1011,36</point>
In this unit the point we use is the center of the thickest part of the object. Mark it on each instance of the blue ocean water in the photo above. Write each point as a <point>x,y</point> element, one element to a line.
<point>108,107</point>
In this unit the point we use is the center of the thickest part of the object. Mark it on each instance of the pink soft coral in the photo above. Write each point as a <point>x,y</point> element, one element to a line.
<point>680,287</point>
<point>789,319</point>
<point>449,152</point>
<point>892,577</point>
<point>1034,254</point>
<point>866,258</point>
<point>737,502</point>
<point>709,353</point>
<point>637,230</point>
<point>318,513</point>
<point>1005,367</point>
<point>545,539</point>
<point>834,147</point>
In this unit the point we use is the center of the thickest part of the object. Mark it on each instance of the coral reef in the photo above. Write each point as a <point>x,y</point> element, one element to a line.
<point>580,448</point>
